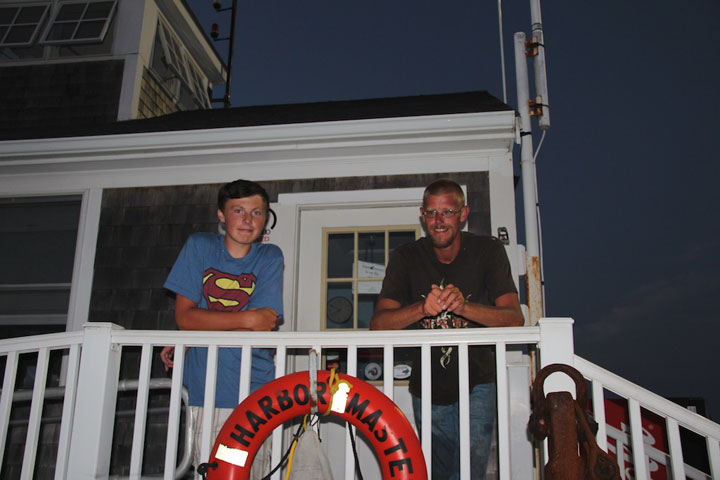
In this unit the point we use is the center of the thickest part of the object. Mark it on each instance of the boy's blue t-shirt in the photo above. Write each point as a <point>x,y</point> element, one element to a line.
<point>207,274</point>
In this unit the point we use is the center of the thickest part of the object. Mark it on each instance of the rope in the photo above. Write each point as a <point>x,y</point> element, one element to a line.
<point>355,454</point>
<point>290,459</point>
<point>332,387</point>
<point>313,381</point>
<point>297,435</point>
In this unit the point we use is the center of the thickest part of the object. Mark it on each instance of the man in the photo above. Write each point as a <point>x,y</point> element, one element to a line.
<point>228,282</point>
<point>451,279</point>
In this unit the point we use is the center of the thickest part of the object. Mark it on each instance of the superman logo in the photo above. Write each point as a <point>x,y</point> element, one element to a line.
<point>226,292</point>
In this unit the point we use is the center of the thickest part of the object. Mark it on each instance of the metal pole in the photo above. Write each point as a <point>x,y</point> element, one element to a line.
<point>502,51</point>
<point>228,80</point>
<point>532,236</point>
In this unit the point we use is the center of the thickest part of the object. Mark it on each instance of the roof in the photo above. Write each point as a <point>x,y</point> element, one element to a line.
<point>413,106</point>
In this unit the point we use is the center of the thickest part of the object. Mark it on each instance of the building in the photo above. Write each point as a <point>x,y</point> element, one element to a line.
<point>91,62</point>
<point>110,204</point>
<point>136,203</point>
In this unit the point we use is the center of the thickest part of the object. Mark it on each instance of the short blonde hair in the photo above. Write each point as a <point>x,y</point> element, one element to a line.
<point>444,186</point>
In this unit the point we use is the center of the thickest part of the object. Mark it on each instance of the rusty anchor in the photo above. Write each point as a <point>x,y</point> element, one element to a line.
<point>570,430</point>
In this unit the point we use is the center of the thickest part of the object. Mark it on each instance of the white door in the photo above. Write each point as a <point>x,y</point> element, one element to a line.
<point>321,227</point>
<point>327,243</point>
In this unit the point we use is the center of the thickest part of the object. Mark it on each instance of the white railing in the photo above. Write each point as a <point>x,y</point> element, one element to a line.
<point>352,341</point>
<point>43,345</point>
<point>92,381</point>
<point>675,417</point>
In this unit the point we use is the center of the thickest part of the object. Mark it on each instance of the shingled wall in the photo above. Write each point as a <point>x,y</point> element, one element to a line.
<point>35,97</point>
<point>154,100</point>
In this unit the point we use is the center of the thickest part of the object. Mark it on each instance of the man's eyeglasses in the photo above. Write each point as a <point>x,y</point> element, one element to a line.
<point>446,213</point>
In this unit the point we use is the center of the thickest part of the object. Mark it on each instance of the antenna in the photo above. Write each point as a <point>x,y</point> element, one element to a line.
<point>502,51</point>
<point>540,108</point>
<point>215,34</point>
<point>532,232</point>
<point>537,51</point>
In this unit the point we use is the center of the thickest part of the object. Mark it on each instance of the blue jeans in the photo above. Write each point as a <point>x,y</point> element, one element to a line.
<point>446,433</point>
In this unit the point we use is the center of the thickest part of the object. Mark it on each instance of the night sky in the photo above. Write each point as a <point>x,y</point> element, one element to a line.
<point>627,178</point>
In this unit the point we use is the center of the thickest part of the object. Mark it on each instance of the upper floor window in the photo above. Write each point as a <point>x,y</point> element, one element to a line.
<point>19,25</point>
<point>34,31</point>
<point>180,76</point>
<point>79,22</point>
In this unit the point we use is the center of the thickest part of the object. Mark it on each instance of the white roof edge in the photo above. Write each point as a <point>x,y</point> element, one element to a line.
<point>494,124</point>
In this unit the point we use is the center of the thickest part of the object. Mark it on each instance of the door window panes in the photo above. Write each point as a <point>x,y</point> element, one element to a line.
<point>339,312</point>
<point>366,307</point>
<point>400,238</point>
<point>354,268</point>
<point>340,252</point>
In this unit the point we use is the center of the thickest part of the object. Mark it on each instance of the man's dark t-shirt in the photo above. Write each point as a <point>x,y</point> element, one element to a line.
<point>482,273</point>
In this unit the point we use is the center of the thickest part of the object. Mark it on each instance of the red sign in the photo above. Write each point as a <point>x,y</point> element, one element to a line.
<point>654,438</point>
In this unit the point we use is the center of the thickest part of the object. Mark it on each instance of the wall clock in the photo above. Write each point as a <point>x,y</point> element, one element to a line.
<point>339,310</point>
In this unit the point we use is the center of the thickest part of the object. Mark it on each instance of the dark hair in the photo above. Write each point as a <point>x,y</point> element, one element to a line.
<point>444,186</point>
<point>241,189</point>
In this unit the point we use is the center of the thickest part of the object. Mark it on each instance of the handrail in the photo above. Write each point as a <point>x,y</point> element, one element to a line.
<point>653,453</point>
<point>331,339</point>
<point>648,399</point>
<point>674,414</point>
<point>96,373</point>
<point>126,386</point>
<point>15,287</point>
<point>53,341</point>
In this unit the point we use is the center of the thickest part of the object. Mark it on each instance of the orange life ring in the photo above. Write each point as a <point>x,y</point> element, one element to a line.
<point>359,403</point>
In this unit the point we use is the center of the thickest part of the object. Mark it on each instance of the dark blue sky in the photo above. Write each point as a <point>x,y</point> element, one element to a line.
<point>627,176</point>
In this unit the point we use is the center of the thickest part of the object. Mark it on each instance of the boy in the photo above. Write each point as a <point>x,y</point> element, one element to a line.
<point>227,282</point>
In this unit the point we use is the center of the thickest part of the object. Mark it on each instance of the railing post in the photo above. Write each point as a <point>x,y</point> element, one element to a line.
<point>556,346</point>
<point>521,449</point>
<point>91,440</point>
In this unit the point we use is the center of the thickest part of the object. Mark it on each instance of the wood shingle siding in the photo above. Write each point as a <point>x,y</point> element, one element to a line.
<point>78,94</point>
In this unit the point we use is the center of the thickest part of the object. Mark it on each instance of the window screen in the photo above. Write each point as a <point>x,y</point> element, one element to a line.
<point>19,25</point>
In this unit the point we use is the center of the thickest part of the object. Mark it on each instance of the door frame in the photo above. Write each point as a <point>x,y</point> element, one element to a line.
<point>295,204</point>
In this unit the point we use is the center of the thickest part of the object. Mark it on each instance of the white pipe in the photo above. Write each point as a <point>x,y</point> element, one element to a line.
<point>541,88</point>
<point>532,236</point>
